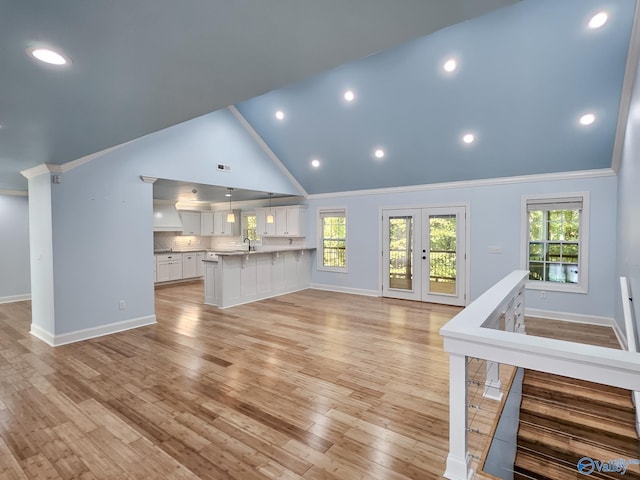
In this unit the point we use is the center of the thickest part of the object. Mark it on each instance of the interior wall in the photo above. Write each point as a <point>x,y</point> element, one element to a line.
<point>628,218</point>
<point>15,277</point>
<point>103,214</point>
<point>495,213</point>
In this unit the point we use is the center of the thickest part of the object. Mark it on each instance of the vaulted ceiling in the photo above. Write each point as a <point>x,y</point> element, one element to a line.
<point>525,73</point>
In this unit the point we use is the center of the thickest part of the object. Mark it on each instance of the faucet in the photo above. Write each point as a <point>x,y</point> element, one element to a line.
<point>247,240</point>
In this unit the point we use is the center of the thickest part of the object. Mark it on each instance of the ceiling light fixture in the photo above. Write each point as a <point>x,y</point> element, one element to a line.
<point>598,20</point>
<point>270,218</point>
<point>468,138</point>
<point>315,163</point>
<point>49,56</point>
<point>349,95</point>
<point>379,153</point>
<point>280,115</point>
<point>231,218</point>
<point>587,119</point>
<point>450,65</point>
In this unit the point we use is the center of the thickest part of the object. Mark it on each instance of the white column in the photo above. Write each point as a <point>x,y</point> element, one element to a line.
<point>457,467</point>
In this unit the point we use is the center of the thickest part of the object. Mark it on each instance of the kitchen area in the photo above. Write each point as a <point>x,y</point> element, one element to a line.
<point>243,249</point>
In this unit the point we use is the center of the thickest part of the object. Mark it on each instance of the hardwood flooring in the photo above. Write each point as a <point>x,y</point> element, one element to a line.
<point>312,385</point>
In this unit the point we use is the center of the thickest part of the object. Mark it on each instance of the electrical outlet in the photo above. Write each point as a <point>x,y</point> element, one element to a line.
<point>543,295</point>
<point>122,305</point>
<point>495,249</point>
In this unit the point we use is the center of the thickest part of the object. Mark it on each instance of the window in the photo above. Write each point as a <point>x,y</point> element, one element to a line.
<point>249,226</point>
<point>555,232</point>
<point>333,240</point>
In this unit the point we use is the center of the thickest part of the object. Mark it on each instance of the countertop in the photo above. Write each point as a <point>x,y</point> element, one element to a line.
<point>175,250</point>
<point>262,250</point>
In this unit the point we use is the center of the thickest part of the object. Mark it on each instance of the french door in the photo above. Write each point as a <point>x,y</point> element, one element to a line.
<point>424,254</point>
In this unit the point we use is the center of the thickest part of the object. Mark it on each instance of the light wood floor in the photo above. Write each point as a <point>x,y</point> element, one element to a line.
<point>311,385</point>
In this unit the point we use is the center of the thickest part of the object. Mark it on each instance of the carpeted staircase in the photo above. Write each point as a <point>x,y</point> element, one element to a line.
<point>563,420</point>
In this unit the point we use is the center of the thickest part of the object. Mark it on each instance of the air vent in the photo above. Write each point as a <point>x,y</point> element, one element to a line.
<point>224,168</point>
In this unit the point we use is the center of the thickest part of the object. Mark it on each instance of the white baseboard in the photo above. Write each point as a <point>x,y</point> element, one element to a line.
<point>354,291</point>
<point>579,318</point>
<point>87,333</point>
<point>15,298</point>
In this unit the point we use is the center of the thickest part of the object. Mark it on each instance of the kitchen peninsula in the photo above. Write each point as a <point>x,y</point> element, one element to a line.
<point>245,276</point>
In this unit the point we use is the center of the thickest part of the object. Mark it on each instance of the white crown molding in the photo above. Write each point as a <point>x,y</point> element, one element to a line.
<point>93,156</point>
<point>41,169</point>
<point>247,126</point>
<point>15,193</point>
<point>542,177</point>
<point>148,179</point>
<point>630,73</point>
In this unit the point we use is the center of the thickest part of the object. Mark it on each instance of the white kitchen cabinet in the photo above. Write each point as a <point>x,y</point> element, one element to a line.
<point>206,224</point>
<point>264,229</point>
<point>222,227</point>
<point>290,221</point>
<point>200,256</point>
<point>190,222</point>
<point>168,267</point>
<point>189,265</point>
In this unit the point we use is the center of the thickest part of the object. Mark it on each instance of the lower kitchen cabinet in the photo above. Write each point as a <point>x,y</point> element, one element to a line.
<point>168,267</point>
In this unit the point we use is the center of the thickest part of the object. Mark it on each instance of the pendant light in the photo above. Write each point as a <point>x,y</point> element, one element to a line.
<point>270,218</point>
<point>231,218</point>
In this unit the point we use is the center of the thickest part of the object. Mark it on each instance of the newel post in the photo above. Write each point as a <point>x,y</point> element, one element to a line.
<point>457,467</point>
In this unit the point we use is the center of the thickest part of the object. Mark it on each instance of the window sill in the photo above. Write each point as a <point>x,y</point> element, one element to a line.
<point>556,287</point>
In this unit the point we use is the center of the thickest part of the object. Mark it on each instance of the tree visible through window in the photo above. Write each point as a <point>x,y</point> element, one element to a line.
<point>334,239</point>
<point>249,227</point>
<point>555,239</point>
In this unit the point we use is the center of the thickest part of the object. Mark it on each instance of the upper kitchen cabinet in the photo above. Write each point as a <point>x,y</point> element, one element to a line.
<point>263,228</point>
<point>190,222</point>
<point>222,227</point>
<point>288,221</point>
<point>206,224</point>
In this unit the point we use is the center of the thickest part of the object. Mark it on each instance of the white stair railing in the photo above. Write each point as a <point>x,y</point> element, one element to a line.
<point>475,332</point>
<point>631,334</point>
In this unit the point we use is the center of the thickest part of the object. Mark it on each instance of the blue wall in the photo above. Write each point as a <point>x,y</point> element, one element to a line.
<point>103,214</point>
<point>495,213</point>
<point>628,251</point>
<point>14,242</point>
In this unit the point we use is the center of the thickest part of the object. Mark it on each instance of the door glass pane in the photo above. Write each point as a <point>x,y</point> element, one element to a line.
<point>401,252</point>
<point>442,254</point>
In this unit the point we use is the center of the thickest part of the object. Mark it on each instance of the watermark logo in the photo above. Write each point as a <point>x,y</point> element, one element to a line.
<point>587,465</point>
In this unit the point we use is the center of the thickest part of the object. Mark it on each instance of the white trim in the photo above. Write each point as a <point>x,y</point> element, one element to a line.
<point>250,130</point>
<point>542,177</point>
<point>622,339</point>
<point>93,156</point>
<point>630,73</point>
<point>15,298</point>
<point>16,193</point>
<point>42,169</point>
<point>319,237</point>
<point>93,332</point>
<point>570,317</point>
<point>257,298</point>
<point>583,255</point>
<point>349,290</point>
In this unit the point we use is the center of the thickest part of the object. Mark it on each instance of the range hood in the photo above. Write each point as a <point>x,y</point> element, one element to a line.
<point>165,217</point>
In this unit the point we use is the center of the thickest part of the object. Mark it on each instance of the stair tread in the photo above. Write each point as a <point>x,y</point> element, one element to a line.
<point>564,416</point>
<point>556,391</point>
<point>568,381</point>
<point>564,446</point>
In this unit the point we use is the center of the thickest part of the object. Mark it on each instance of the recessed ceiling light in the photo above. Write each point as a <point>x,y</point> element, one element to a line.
<point>315,163</point>
<point>349,95</point>
<point>379,153</point>
<point>598,20</point>
<point>468,138</point>
<point>49,56</point>
<point>450,65</point>
<point>587,119</point>
<point>280,115</point>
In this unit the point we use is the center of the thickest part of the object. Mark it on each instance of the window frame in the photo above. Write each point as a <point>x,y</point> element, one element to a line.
<point>322,212</point>
<point>243,215</point>
<point>583,242</point>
